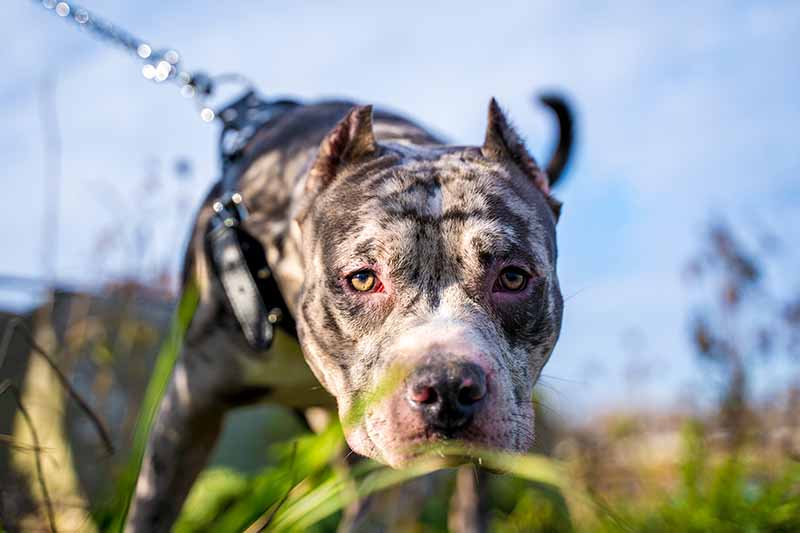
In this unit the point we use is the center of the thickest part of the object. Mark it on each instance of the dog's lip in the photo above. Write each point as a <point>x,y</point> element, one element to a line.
<point>451,451</point>
<point>466,437</point>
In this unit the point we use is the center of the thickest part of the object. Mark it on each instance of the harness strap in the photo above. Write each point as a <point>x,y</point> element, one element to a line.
<point>239,259</point>
<point>240,287</point>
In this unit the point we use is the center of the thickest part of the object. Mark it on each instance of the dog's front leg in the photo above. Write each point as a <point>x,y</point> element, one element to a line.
<point>185,431</point>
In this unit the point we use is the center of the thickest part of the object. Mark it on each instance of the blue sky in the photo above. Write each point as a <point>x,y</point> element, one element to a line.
<point>686,111</point>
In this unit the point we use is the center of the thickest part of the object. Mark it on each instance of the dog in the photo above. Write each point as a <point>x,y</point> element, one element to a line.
<point>397,255</point>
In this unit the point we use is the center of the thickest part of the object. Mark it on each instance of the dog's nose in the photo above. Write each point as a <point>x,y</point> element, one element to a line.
<point>447,395</point>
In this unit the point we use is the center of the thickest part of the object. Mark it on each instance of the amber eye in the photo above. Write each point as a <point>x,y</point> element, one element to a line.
<point>363,280</point>
<point>513,279</point>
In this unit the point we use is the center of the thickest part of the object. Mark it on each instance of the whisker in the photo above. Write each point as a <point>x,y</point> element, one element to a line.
<point>550,409</point>
<point>567,380</point>
<point>547,387</point>
<point>574,294</point>
<point>543,385</point>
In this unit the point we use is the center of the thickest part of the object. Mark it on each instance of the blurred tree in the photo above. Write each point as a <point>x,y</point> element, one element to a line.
<point>746,321</point>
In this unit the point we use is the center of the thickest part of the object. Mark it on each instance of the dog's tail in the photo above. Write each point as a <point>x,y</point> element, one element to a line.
<point>566,135</point>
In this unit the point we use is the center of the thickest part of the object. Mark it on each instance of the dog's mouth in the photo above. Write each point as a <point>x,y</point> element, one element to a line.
<point>449,450</point>
<point>391,436</point>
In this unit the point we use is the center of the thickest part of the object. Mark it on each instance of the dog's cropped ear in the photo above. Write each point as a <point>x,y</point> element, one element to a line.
<point>352,139</point>
<point>503,143</point>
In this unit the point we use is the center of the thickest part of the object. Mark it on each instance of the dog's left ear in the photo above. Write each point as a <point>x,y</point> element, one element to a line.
<point>350,140</point>
<point>502,142</point>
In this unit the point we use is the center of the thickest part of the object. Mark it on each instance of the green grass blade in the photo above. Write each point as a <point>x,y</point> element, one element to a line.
<point>162,371</point>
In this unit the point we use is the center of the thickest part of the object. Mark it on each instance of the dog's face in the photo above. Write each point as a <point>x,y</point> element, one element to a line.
<point>430,299</point>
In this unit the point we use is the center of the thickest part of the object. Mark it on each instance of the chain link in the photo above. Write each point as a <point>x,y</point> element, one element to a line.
<point>159,66</point>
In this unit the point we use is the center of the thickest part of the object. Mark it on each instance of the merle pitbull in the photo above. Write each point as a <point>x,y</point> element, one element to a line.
<point>392,250</point>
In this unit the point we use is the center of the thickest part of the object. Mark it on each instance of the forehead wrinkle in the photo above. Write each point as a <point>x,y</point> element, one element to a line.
<point>420,185</point>
<point>527,228</point>
<point>382,240</point>
<point>445,168</point>
<point>421,202</point>
<point>369,249</point>
<point>492,239</point>
<point>432,194</point>
<point>535,209</point>
<point>420,258</point>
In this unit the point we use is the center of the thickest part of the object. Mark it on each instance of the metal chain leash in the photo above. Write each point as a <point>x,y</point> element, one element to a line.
<point>238,258</point>
<point>159,65</point>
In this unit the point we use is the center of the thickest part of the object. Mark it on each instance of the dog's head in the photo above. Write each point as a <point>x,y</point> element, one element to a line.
<point>430,300</point>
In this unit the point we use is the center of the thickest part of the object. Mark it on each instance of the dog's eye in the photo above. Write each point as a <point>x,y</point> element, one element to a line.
<point>512,279</point>
<point>363,280</point>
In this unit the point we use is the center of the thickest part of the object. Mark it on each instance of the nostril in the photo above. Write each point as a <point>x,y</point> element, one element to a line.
<point>424,395</point>
<point>471,392</point>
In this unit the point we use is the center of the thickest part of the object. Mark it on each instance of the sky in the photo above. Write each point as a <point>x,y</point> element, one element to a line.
<point>686,111</point>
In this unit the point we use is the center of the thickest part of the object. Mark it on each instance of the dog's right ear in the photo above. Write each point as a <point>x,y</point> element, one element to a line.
<point>352,139</point>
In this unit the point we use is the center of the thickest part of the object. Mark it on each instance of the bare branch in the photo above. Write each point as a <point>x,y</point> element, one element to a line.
<point>13,443</point>
<point>7,386</point>
<point>16,324</point>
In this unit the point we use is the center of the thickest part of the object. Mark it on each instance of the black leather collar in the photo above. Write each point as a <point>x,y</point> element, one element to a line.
<point>238,257</point>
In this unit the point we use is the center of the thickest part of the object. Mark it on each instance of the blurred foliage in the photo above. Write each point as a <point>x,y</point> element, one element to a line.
<point>310,487</point>
<point>747,320</point>
<point>726,493</point>
<point>307,490</point>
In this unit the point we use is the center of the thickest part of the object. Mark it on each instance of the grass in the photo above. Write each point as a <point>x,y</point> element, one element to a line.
<point>306,492</point>
<point>727,492</point>
<point>722,492</point>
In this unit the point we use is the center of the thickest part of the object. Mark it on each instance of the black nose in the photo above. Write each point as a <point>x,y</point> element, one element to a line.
<point>447,395</point>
